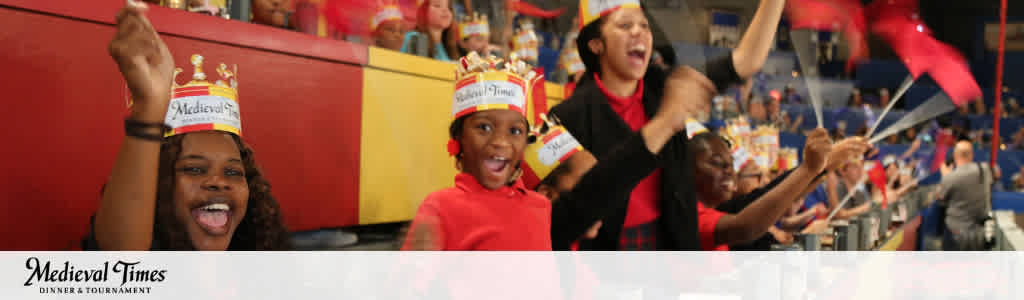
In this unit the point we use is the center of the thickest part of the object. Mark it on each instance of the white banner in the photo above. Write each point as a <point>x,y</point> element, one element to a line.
<point>511,275</point>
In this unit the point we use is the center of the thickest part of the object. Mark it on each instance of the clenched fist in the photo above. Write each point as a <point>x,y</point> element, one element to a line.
<point>144,61</point>
<point>687,95</point>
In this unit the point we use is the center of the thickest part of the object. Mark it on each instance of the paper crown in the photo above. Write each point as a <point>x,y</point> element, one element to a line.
<point>694,128</point>
<point>200,105</point>
<point>572,63</point>
<point>765,145</point>
<point>591,10</point>
<point>385,13</point>
<point>474,25</point>
<point>480,85</point>
<point>553,146</point>
<point>787,160</point>
<point>525,44</point>
<point>741,158</point>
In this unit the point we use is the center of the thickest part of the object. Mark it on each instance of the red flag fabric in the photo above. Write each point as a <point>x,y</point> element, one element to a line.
<point>943,140</point>
<point>899,23</point>
<point>533,11</point>
<point>877,176</point>
<point>833,15</point>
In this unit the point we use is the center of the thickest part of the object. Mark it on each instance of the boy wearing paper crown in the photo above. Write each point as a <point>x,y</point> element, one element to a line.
<point>620,93</point>
<point>714,173</point>
<point>386,27</point>
<point>474,35</point>
<point>489,208</point>
<point>191,184</point>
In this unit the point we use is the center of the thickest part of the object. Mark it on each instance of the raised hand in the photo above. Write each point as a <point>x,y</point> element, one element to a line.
<point>816,150</point>
<point>845,150</point>
<point>687,95</point>
<point>144,61</point>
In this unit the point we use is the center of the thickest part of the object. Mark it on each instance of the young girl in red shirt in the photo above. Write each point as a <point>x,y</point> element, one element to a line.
<point>489,208</point>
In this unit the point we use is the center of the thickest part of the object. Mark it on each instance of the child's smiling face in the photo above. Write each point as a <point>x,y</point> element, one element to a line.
<point>210,191</point>
<point>492,144</point>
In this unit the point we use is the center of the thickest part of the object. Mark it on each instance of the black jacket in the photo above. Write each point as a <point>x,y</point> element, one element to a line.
<point>601,192</point>
<point>589,117</point>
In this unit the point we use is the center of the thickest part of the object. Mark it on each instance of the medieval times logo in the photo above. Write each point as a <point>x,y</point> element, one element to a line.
<point>120,277</point>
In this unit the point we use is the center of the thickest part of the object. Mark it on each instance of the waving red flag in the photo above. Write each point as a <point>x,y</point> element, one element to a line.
<point>876,174</point>
<point>899,24</point>
<point>533,11</point>
<point>833,15</point>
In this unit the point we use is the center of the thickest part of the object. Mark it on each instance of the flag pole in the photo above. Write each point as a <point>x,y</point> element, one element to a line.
<point>999,83</point>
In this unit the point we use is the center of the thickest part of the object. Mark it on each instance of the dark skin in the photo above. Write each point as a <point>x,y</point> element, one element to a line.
<point>492,144</point>
<point>716,178</point>
<point>210,171</point>
<point>270,12</point>
<point>389,35</point>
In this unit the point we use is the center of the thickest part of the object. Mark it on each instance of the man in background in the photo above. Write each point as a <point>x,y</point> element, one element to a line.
<point>966,194</point>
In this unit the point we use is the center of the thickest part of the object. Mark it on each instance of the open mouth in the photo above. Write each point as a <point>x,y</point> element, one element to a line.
<point>637,55</point>
<point>496,164</point>
<point>213,216</point>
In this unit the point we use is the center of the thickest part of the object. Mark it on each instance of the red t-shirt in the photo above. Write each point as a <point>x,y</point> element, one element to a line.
<point>643,201</point>
<point>472,217</point>
<point>707,220</point>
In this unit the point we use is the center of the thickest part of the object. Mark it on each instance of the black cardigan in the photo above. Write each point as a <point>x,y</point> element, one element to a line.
<point>589,117</point>
<point>601,192</point>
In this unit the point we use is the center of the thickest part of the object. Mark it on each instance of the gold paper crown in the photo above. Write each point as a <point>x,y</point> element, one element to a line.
<point>788,159</point>
<point>200,105</point>
<point>738,131</point>
<point>571,62</point>
<point>694,128</point>
<point>591,10</point>
<point>484,84</point>
<point>474,25</point>
<point>552,146</point>
<point>765,145</point>
<point>385,12</point>
<point>525,43</point>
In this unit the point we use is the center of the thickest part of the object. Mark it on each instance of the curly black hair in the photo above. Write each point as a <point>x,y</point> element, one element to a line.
<point>260,229</point>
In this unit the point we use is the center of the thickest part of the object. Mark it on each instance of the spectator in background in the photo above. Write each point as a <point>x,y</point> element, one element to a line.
<point>1017,142</point>
<point>304,18</point>
<point>1017,181</point>
<point>979,107</point>
<point>433,27</point>
<point>855,98</point>
<point>883,97</point>
<point>893,139</point>
<point>1011,108</point>
<point>966,194</point>
<point>908,136</point>
<point>386,27</point>
<point>848,178</point>
<point>791,96</point>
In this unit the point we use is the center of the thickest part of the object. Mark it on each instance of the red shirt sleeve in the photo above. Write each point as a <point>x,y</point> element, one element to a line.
<point>425,232</point>
<point>707,220</point>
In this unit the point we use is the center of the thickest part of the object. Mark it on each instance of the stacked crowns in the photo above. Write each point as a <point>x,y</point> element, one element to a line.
<point>199,105</point>
<point>525,43</point>
<point>570,60</point>
<point>475,25</point>
<point>553,145</point>
<point>486,84</point>
<point>787,160</point>
<point>765,145</point>
<point>386,11</point>
<point>738,131</point>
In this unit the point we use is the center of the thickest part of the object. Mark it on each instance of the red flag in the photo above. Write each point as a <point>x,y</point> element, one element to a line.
<point>833,15</point>
<point>877,176</point>
<point>943,140</point>
<point>899,24</point>
<point>533,11</point>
